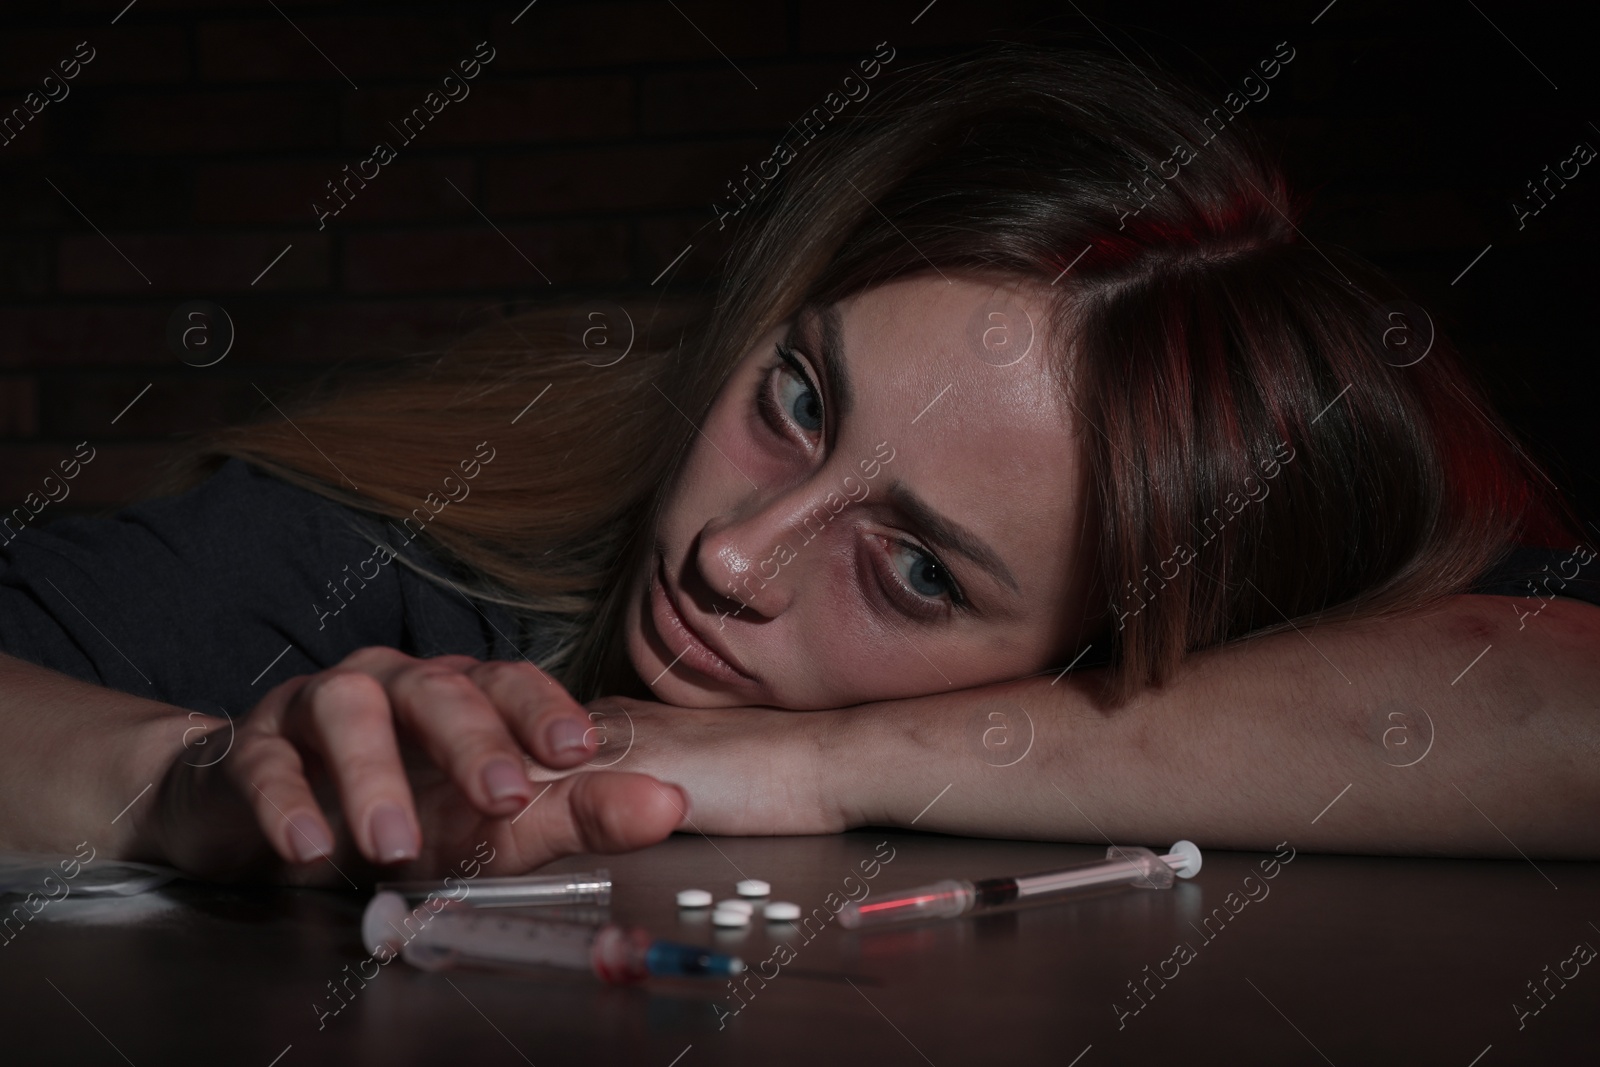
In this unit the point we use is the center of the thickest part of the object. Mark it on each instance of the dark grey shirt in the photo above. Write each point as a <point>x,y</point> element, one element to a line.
<point>208,598</point>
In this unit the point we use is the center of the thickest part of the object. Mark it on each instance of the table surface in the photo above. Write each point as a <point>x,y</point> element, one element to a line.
<point>1334,959</point>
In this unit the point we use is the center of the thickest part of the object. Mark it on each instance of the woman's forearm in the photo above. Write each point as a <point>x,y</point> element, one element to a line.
<point>77,761</point>
<point>1391,735</point>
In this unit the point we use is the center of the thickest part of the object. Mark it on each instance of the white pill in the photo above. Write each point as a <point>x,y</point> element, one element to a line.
<point>693,898</point>
<point>781,911</point>
<point>753,887</point>
<point>730,917</point>
<point>743,907</point>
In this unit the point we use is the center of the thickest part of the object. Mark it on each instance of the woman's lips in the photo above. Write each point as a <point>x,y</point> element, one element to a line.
<point>695,652</point>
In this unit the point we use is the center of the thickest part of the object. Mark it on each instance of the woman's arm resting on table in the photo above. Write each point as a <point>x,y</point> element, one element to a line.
<point>1247,747</point>
<point>1250,745</point>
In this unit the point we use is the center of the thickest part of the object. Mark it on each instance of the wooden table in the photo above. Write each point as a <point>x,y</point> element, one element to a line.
<point>1333,959</point>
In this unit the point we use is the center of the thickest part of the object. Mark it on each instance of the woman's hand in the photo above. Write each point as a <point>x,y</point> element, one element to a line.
<point>749,770</point>
<point>387,759</point>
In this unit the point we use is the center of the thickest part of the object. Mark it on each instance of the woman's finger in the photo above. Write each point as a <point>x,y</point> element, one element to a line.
<point>344,716</point>
<point>272,780</point>
<point>275,788</point>
<point>459,662</point>
<point>540,712</point>
<point>600,811</point>
<point>463,732</point>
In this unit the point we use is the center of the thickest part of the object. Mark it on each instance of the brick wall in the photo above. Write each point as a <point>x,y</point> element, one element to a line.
<point>197,138</point>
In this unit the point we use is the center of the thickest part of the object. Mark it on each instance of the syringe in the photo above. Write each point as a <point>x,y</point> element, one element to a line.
<point>457,934</point>
<point>591,887</point>
<point>954,897</point>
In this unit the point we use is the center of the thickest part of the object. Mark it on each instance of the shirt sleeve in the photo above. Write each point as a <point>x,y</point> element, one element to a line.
<point>1532,574</point>
<point>1538,574</point>
<point>208,598</point>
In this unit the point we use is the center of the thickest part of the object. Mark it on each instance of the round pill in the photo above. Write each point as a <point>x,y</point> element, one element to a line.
<point>781,911</point>
<point>743,907</point>
<point>693,898</point>
<point>730,917</point>
<point>753,887</point>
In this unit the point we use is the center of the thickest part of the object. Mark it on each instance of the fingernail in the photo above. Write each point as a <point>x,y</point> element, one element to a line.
<point>391,834</point>
<point>504,779</point>
<point>566,735</point>
<point>308,839</point>
<point>683,802</point>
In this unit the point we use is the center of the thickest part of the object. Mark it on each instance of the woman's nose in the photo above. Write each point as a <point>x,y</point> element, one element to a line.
<point>754,557</point>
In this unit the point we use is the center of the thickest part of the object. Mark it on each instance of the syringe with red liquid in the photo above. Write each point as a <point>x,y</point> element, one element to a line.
<point>954,897</point>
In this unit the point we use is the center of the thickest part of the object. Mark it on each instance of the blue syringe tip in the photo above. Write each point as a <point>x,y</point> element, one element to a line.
<point>669,958</point>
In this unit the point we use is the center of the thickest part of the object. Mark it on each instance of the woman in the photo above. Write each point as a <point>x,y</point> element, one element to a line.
<point>1026,369</point>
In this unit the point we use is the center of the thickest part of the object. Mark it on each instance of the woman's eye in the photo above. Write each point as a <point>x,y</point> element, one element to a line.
<point>925,575</point>
<point>798,401</point>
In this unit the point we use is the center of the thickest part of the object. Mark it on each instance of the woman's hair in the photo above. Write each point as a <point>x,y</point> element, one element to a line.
<point>1263,442</point>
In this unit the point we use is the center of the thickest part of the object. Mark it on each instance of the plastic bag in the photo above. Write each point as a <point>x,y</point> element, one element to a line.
<point>26,872</point>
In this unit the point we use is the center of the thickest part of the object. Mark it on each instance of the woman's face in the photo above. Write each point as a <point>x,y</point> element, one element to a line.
<point>886,500</point>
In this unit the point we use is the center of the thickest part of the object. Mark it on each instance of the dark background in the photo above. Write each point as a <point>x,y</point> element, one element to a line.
<point>597,139</point>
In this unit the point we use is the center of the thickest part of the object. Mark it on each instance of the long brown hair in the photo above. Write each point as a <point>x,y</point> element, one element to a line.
<point>1207,348</point>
